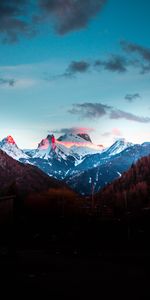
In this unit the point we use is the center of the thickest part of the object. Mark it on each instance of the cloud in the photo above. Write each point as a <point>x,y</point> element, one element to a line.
<point>90,110</point>
<point>98,110</point>
<point>114,132</point>
<point>134,48</point>
<point>142,52</point>
<point>70,15</point>
<point>120,114</point>
<point>13,23</point>
<point>132,97</point>
<point>74,130</point>
<point>77,67</point>
<point>7,81</point>
<point>23,17</point>
<point>115,63</point>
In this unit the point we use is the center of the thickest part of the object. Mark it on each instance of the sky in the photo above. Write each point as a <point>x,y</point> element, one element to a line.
<point>74,66</point>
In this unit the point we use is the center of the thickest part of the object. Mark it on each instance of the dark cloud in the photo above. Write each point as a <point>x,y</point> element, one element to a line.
<point>77,67</point>
<point>22,17</point>
<point>97,110</point>
<point>7,81</point>
<point>71,15</point>
<point>90,110</point>
<point>115,63</point>
<point>132,97</point>
<point>13,23</point>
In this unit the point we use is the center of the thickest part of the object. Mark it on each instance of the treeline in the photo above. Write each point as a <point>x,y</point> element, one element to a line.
<point>61,201</point>
<point>130,193</point>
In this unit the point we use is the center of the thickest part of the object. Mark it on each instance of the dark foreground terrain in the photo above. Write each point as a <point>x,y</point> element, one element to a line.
<point>76,256</point>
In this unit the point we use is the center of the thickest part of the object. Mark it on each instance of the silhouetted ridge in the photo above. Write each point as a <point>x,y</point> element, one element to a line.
<point>27,178</point>
<point>130,192</point>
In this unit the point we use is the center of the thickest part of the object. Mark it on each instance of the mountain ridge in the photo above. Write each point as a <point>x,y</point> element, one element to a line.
<point>70,159</point>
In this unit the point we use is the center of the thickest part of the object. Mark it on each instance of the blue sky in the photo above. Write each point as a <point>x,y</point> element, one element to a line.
<point>94,75</point>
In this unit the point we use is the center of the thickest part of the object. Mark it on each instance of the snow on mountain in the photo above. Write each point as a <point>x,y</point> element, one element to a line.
<point>75,159</point>
<point>58,157</point>
<point>108,168</point>
<point>45,148</point>
<point>85,136</point>
<point>79,145</point>
<point>76,146</point>
<point>76,138</point>
<point>9,146</point>
<point>117,147</point>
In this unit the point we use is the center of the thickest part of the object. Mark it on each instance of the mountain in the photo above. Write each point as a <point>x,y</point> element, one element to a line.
<point>75,145</point>
<point>26,178</point>
<point>51,158</point>
<point>58,157</point>
<point>130,192</point>
<point>79,145</point>
<point>85,136</point>
<point>10,147</point>
<point>101,158</point>
<point>117,147</point>
<point>90,179</point>
<point>73,158</point>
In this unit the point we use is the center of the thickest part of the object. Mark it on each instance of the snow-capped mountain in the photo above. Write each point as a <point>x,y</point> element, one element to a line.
<point>9,146</point>
<point>88,178</point>
<point>57,157</point>
<point>25,178</point>
<point>76,146</point>
<point>99,158</point>
<point>76,160</point>
<point>117,147</point>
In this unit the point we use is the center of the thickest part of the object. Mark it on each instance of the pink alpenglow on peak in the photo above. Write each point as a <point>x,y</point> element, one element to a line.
<point>10,140</point>
<point>44,144</point>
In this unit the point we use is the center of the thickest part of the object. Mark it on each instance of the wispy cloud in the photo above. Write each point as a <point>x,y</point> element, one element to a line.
<point>140,61</point>
<point>135,48</point>
<point>115,63</point>
<point>120,114</point>
<point>98,110</point>
<point>90,110</point>
<point>77,67</point>
<point>7,82</point>
<point>132,97</point>
<point>114,132</point>
<point>143,54</point>
<point>73,130</point>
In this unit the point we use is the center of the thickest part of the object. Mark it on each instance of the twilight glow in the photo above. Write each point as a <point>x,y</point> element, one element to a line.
<point>79,144</point>
<point>81,65</point>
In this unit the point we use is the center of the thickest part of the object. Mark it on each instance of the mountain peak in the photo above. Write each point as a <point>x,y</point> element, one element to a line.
<point>120,140</point>
<point>85,136</point>
<point>9,139</point>
<point>9,146</point>
<point>118,146</point>
<point>75,138</point>
<point>48,142</point>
